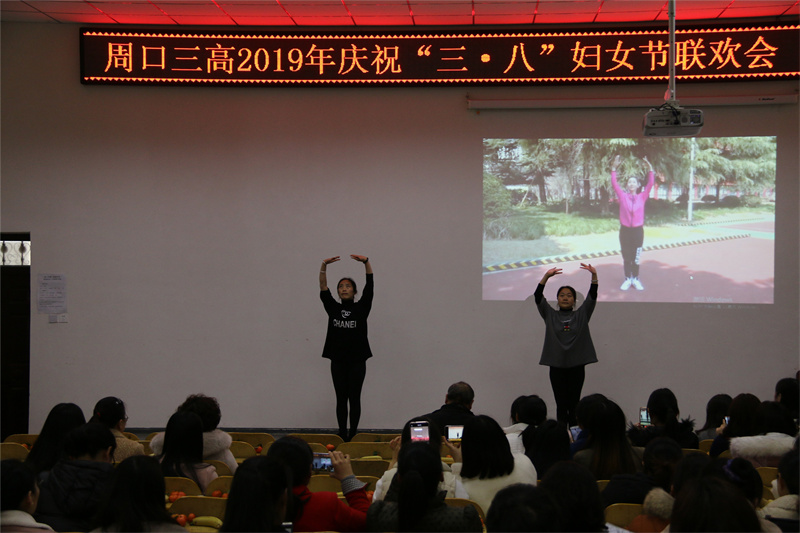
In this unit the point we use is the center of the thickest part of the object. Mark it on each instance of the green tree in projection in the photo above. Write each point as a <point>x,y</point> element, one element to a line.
<point>744,163</point>
<point>519,162</point>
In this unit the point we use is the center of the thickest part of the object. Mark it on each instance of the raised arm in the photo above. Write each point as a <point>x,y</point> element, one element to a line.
<point>363,259</point>
<point>593,286</point>
<point>614,166</point>
<point>549,274</point>
<point>323,276</point>
<point>650,176</point>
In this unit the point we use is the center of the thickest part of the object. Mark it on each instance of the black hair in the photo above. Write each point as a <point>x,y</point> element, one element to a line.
<point>254,503</point>
<point>789,470</point>
<point>587,406</point>
<point>712,504</point>
<point>523,507</point>
<point>774,417</point>
<point>546,445</point>
<point>575,489</point>
<point>16,480</point>
<point>743,416</point>
<point>183,445</point>
<point>690,467</point>
<point>789,389</point>
<point>611,451</point>
<point>297,456</point>
<point>461,393</point>
<point>49,445</point>
<point>742,474</point>
<point>485,450</point>
<point>419,470</point>
<point>529,410</point>
<point>716,410</point>
<point>89,439</point>
<point>135,499</point>
<point>206,407</point>
<point>660,457</point>
<point>109,411</point>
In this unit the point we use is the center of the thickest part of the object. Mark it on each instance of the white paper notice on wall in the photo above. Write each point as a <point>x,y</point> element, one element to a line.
<point>52,296</point>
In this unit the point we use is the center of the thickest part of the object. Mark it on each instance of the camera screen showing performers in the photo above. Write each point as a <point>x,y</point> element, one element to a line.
<point>687,220</point>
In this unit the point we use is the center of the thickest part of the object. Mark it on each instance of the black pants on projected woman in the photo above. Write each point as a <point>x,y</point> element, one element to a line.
<point>567,384</point>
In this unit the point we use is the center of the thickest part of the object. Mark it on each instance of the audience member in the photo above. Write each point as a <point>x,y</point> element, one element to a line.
<point>786,488</point>
<point>776,437</point>
<point>457,408</point>
<point>216,443</point>
<point>182,451</point>
<point>742,421</point>
<point>110,412</point>
<point>71,494</point>
<point>546,444</point>
<point>135,500</point>
<point>716,410</point>
<point>585,410</point>
<point>320,511</point>
<point>787,393</point>
<point>574,489</point>
<point>19,495</point>
<point>485,462</point>
<point>741,474</point>
<point>712,504</point>
<point>524,507</point>
<point>525,411</point>
<point>608,451</point>
<point>387,488</point>
<point>663,408</point>
<point>660,457</point>
<point>258,497</point>
<point>419,505</point>
<point>49,445</point>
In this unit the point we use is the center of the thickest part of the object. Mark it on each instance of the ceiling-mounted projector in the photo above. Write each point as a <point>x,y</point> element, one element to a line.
<point>672,121</point>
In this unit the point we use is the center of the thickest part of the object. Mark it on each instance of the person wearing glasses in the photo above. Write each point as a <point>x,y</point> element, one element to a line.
<point>110,412</point>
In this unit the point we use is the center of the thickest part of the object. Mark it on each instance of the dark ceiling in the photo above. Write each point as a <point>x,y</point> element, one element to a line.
<point>403,13</point>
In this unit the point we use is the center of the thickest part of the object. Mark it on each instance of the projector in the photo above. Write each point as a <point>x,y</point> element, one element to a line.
<point>671,121</point>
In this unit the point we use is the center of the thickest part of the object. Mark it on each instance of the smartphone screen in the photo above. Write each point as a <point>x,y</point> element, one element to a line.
<point>644,416</point>
<point>321,463</point>
<point>454,432</point>
<point>575,431</point>
<point>419,431</point>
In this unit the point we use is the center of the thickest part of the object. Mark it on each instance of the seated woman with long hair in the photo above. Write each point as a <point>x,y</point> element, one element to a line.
<point>49,445</point>
<point>742,422</point>
<point>258,497</point>
<point>386,488</point>
<point>663,408</point>
<point>485,462</point>
<point>716,410</point>
<point>135,501</point>
<point>419,506</point>
<point>182,454</point>
<point>608,451</point>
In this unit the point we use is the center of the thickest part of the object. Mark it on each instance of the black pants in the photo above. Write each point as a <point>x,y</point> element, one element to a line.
<point>567,384</point>
<point>630,242</point>
<point>348,378</point>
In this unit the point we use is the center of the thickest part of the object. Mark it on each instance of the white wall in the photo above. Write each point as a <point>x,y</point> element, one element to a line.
<point>190,223</point>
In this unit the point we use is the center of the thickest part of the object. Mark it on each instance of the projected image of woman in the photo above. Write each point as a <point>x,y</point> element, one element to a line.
<point>631,222</point>
<point>346,344</point>
<point>568,346</point>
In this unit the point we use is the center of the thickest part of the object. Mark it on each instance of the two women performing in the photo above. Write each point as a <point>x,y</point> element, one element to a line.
<point>346,343</point>
<point>631,222</point>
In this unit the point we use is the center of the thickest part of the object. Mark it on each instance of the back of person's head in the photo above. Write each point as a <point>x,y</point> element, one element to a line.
<point>575,489</point>
<point>434,436</point>
<point>690,467</point>
<point>49,445</point>
<point>523,507</point>
<point>789,471</point>
<point>206,407</point>
<point>183,445</point>
<point>787,392</point>
<point>742,474</point>
<point>17,480</point>
<point>419,471</point>
<point>529,410</point>
<point>712,504</point>
<point>485,449</point>
<point>660,457</point>
<point>716,410</point>
<point>109,411</point>
<point>461,394</point>
<point>743,416</point>
<point>296,454</point>
<point>546,444</point>
<point>90,441</point>
<point>587,406</point>
<point>611,452</point>
<point>774,417</point>
<point>258,496</point>
<point>663,407</point>
<point>135,497</point>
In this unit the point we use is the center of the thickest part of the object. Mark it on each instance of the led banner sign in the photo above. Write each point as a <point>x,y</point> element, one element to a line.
<point>160,57</point>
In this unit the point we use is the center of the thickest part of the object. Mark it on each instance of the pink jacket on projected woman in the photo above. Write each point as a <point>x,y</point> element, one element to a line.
<point>631,205</point>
